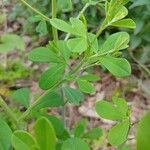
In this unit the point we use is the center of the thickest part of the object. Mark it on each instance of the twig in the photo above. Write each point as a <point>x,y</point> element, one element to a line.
<point>139,63</point>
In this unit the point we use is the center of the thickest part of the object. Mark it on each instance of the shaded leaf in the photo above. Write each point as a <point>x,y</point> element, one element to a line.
<point>80,128</point>
<point>58,125</point>
<point>51,76</point>
<point>22,96</point>
<point>93,42</point>
<point>42,28</point>
<point>93,134</point>
<point>64,6</point>
<point>8,43</point>
<point>50,99</point>
<point>73,95</point>
<point>64,50</point>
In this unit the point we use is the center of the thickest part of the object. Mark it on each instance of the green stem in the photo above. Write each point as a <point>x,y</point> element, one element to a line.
<point>8,111</point>
<point>78,66</point>
<point>27,112</point>
<point>139,63</point>
<point>35,10</point>
<point>101,28</point>
<point>54,15</point>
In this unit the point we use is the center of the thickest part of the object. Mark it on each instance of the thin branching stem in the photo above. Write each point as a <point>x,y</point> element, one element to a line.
<point>54,15</point>
<point>35,10</point>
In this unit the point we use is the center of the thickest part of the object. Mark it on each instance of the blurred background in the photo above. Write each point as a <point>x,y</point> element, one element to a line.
<point>27,30</point>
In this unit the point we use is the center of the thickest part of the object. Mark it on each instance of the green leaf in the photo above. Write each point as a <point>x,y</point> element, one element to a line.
<point>42,28</point>
<point>115,42</point>
<point>90,77</point>
<point>118,134</point>
<point>50,99</point>
<point>77,45</point>
<point>93,42</point>
<point>108,111</point>
<point>64,50</point>
<point>121,105</point>
<point>8,43</point>
<point>45,134</point>
<point>61,25</point>
<point>143,133</point>
<point>35,18</point>
<point>126,23</point>
<point>119,67</point>
<point>122,12</point>
<point>120,2</point>
<point>73,95</point>
<point>116,14</point>
<point>80,128</point>
<point>124,147</point>
<point>76,27</point>
<point>43,54</point>
<point>75,144</point>
<point>22,96</point>
<point>58,125</point>
<point>93,134</point>
<point>22,140</point>
<point>5,135</point>
<point>85,86</point>
<point>51,76</point>
<point>64,6</point>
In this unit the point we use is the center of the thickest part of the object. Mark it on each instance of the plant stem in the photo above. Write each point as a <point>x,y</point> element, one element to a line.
<point>35,10</point>
<point>139,63</point>
<point>63,112</point>
<point>8,111</point>
<point>101,29</point>
<point>54,15</point>
<point>55,38</point>
<point>27,112</point>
